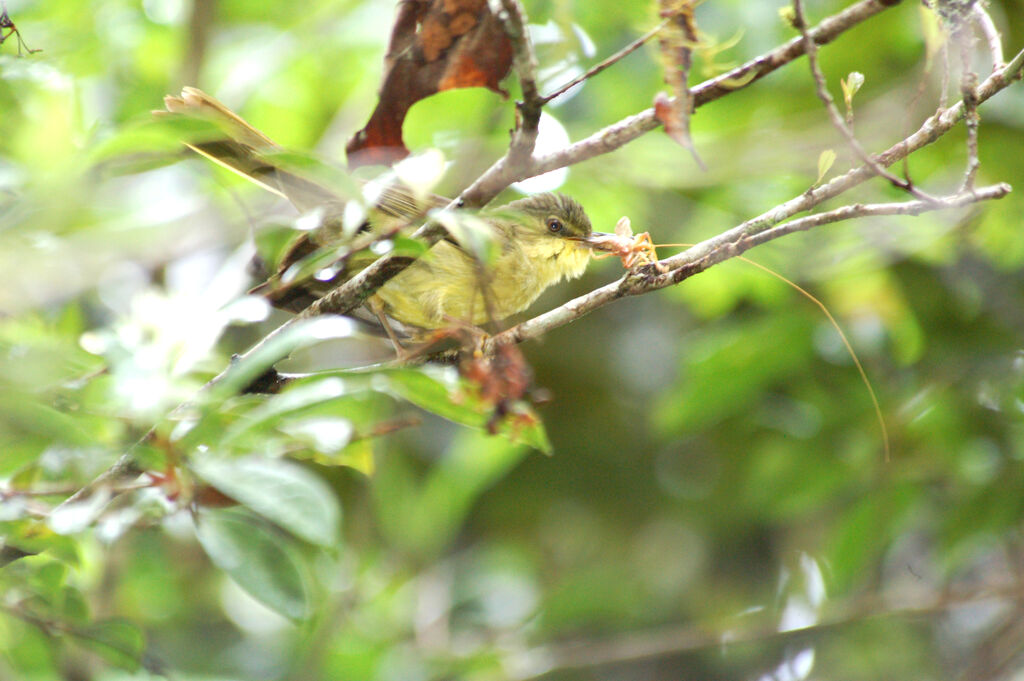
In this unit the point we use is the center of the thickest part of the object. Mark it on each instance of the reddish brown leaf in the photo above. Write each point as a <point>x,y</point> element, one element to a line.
<point>501,380</point>
<point>669,116</point>
<point>676,42</point>
<point>211,497</point>
<point>435,45</point>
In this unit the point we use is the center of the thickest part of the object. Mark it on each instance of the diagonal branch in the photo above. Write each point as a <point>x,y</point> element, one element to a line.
<point>728,244</point>
<point>991,33</point>
<point>628,129</point>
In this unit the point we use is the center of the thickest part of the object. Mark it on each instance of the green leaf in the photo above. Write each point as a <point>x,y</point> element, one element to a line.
<point>357,455</point>
<point>29,416</point>
<point>19,451</point>
<point>293,398</point>
<point>35,536</point>
<point>333,178</point>
<point>825,161</point>
<point>282,492</point>
<point>427,516</point>
<point>439,392</point>
<point>524,426</point>
<point>118,642</point>
<point>161,137</point>
<point>48,575</point>
<point>851,84</point>
<point>287,339</point>
<point>431,391</point>
<point>406,247</point>
<point>270,570</point>
<point>474,235</point>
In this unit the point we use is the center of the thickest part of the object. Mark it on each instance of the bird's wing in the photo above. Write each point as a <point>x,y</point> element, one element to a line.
<point>243,149</point>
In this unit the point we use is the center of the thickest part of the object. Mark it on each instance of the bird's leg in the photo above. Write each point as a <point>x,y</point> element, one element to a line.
<point>457,339</point>
<point>471,337</point>
<point>377,309</point>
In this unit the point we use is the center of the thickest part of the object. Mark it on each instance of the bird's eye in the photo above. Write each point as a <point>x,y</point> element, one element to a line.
<point>555,225</point>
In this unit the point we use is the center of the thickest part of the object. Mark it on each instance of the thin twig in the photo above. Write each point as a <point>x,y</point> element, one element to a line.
<point>958,200</point>
<point>767,226</point>
<point>524,138</point>
<point>602,65</point>
<point>991,33</point>
<point>514,22</point>
<point>833,112</point>
<point>968,91</point>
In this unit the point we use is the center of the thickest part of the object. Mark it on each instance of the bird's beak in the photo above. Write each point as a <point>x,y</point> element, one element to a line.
<point>598,241</point>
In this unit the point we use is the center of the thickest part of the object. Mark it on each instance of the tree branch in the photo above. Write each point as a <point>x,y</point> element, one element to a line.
<point>991,33</point>
<point>968,87</point>
<point>631,647</point>
<point>628,129</point>
<point>727,245</point>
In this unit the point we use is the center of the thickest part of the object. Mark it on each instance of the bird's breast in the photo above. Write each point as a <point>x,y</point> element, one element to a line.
<point>445,286</point>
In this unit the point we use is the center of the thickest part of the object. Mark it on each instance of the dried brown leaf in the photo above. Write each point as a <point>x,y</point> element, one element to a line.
<point>436,45</point>
<point>676,43</point>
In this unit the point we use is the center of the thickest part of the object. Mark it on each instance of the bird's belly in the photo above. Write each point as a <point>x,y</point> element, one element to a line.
<point>445,286</point>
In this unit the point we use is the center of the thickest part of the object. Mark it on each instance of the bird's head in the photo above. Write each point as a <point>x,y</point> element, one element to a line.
<point>554,230</point>
<point>550,215</point>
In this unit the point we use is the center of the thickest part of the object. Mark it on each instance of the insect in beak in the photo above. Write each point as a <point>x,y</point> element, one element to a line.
<point>599,241</point>
<point>632,249</point>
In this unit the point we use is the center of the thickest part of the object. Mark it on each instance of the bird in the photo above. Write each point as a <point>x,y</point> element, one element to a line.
<point>536,241</point>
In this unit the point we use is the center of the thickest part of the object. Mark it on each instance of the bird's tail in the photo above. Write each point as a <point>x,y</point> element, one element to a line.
<point>244,150</point>
<point>241,148</point>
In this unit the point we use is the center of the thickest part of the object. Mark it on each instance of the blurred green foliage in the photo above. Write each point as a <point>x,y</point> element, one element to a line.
<point>717,504</point>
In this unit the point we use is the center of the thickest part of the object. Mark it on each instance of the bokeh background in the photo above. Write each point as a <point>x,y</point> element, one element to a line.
<point>717,504</point>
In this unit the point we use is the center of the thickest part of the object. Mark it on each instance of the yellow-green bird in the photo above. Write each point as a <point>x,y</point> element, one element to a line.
<point>538,241</point>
